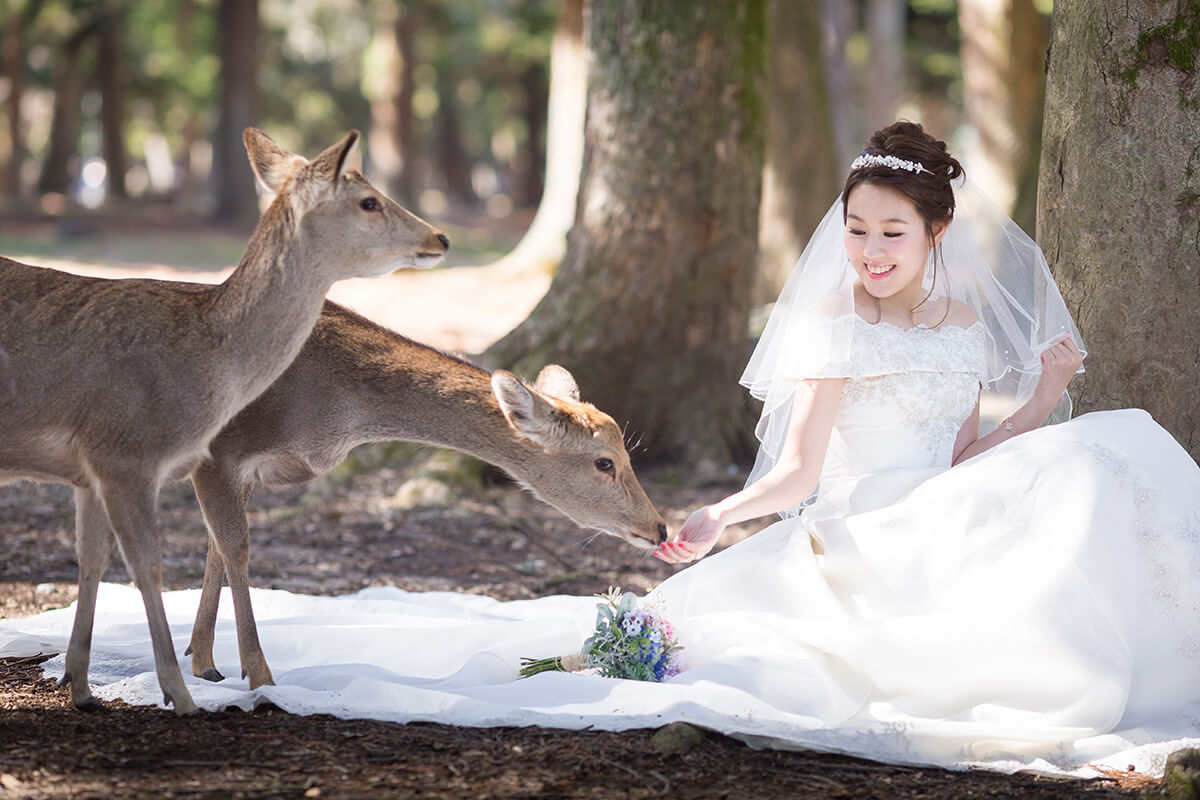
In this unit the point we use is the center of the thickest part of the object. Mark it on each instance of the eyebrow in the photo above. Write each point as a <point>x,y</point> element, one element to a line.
<point>893,219</point>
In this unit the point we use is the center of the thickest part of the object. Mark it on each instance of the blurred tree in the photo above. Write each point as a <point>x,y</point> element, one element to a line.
<point>110,69</point>
<point>1119,200</point>
<point>1003,65</point>
<point>544,242</point>
<point>836,24</point>
<point>885,78</point>
<point>14,71</point>
<point>802,167</point>
<point>237,41</point>
<point>70,71</point>
<point>649,307</point>
<point>390,84</point>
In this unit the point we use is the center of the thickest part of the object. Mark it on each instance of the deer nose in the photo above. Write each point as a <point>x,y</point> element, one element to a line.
<point>662,533</point>
<point>444,239</point>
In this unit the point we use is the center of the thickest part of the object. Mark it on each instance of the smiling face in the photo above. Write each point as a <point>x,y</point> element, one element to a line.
<point>887,243</point>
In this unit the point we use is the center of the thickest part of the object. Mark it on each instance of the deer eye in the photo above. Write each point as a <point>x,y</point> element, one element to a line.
<point>369,204</point>
<point>604,465</point>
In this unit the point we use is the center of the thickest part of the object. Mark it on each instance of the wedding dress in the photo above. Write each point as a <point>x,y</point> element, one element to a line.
<point>1036,607</point>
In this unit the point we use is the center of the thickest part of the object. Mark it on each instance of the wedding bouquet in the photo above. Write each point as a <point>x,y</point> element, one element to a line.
<point>630,641</point>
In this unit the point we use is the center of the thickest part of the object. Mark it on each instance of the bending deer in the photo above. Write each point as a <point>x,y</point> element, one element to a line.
<point>356,382</point>
<point>115,387</point>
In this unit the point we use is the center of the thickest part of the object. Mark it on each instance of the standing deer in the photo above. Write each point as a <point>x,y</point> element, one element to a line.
<point>357,382</point>
<point>117,386</point>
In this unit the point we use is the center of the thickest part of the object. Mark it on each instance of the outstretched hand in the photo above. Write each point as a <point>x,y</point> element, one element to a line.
<point>1060,362</point>
<point>697,536</point>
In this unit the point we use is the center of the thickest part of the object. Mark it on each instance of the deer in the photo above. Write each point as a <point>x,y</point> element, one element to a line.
<point>115,387</point>
<point>356,382</point>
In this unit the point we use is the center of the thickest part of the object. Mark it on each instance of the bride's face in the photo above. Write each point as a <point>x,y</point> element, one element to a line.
<point>886,241</point>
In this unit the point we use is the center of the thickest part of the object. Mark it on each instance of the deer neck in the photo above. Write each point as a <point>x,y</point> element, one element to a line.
<point>440,400</point>
<point>266,309</point>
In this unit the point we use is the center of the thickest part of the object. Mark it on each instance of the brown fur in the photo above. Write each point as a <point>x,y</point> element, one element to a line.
<point>115,387</point>
<point>357,382</point>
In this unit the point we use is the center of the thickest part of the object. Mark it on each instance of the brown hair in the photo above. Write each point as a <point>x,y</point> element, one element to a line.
<point>929,190</point>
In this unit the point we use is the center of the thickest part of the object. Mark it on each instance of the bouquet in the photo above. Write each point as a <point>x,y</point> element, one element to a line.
<point>630,641</point>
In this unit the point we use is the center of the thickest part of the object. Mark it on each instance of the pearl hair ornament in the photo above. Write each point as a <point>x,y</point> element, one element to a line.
<point>870,160</point>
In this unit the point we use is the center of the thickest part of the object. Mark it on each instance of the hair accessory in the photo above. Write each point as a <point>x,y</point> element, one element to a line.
<point>869,160</point>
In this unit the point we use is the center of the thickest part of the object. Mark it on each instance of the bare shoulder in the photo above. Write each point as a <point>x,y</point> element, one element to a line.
<point>959,314</point>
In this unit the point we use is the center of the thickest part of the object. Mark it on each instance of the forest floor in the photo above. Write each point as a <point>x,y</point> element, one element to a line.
<point>348,531</point>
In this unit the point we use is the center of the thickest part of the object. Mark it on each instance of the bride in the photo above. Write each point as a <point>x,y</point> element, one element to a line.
<point>1028,598</point>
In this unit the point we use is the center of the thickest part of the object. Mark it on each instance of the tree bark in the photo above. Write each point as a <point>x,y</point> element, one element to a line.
<point>544,243</point>
<point>237,33</point>
<point>649,307</point>
<point>802,171</point>
<point>1119,201</point>
<point>112,90</point>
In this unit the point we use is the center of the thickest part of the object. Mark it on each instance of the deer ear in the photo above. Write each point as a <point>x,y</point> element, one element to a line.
<point>271,163</point>
<point>330,165</point>
<point>525,411</point>
<point>556,381</point>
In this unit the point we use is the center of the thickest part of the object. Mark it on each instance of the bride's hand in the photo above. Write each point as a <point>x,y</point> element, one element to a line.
<point>697,536</point>
<point>1060,362</point>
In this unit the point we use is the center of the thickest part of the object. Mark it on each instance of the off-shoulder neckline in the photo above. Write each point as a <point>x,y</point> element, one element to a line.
<point>918,326</point>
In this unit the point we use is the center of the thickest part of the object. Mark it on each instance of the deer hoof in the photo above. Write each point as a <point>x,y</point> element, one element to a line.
<point>211,675</point>
<point>91,704</point>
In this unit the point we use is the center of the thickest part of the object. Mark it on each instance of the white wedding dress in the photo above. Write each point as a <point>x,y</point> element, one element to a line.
<point>1037,607</point>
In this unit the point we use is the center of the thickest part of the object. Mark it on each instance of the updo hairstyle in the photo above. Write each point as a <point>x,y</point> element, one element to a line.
<point>930,190</point>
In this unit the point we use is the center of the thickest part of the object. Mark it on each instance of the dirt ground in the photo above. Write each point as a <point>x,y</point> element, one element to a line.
<point>345,532</point>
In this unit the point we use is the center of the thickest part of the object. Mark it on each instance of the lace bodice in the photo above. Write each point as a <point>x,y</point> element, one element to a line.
<point>907,393</point>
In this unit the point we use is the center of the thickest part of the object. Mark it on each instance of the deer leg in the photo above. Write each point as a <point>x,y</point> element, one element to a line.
<point>131,513</point>
<point>223,502</point>
<point>93,547</point>
<point>203,630</point>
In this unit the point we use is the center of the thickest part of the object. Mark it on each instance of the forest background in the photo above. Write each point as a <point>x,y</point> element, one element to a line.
<point>665,161</point>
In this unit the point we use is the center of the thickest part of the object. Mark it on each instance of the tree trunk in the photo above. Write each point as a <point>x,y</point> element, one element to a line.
<point>544,243</point>
<point>802,171</point>
<point>237,34</point>
<point>885,80</point>
<point>392,141</point>
<point>836,27</point>
<point>1003,62</point>
<point>112,112</point>
<point>14,70</point>
<point>649,307</point>
<point>1119,201</point>
<point>452,159</point>
<point>67,118</point>
<point>527,181</point>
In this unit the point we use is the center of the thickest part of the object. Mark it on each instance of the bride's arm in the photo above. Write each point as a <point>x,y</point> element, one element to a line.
<point>1059,365</point>
<point>792,480</point>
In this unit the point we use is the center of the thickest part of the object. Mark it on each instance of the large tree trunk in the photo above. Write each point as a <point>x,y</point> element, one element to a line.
<point>237,33</point>
<point>112,89</point>
<point>802,170</point>
<point>1119,201</point>
<point>649,307</point>
<point>1003,62</point>
<point>544,243</point>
